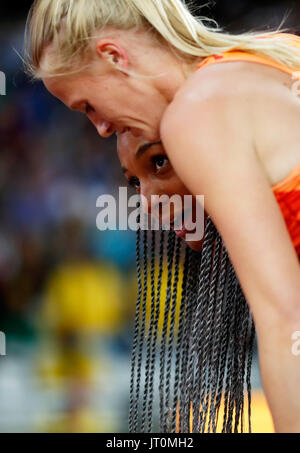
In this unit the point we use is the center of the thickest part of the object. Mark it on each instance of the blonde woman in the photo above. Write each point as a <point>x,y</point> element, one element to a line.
<point>230,130</point>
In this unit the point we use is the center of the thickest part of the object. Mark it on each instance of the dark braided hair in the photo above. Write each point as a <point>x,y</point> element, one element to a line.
<point>205,342</point>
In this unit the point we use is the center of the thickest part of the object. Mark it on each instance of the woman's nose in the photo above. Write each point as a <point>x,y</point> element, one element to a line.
<point>105,129</point>
<point>151,203</point>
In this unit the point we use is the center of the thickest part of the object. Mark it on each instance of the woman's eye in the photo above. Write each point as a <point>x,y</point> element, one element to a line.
<point>160,161</point>
<point>134,182</point>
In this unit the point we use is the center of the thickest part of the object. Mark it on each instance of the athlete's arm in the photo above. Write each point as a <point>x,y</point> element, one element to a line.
<point>211,148</point>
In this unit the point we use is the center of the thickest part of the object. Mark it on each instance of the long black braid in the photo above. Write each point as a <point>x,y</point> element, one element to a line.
<point>168,415</point>
<point>150,333</point>
<point>205,342</point>
<point>162,376</point>
<point>157,314</point>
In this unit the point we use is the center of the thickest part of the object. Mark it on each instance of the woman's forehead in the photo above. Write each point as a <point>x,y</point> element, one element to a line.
<point>62,87</point>
<point>128,143</point>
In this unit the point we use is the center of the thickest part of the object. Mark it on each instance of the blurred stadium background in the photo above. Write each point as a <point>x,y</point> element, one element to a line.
<point>68,290</point>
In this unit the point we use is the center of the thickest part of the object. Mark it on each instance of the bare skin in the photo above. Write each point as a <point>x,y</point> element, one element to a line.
<point>231,131</point>
<point>114,101</point>
<point>243,207</point>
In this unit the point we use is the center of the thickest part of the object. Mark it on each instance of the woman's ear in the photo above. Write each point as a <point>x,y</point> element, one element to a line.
<point>113,53</point>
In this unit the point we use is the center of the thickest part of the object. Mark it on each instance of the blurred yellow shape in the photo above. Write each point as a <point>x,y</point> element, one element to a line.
<point>84,297</point>
<point>261,415</point>
<point>261,420</point>
<point>163,298</point>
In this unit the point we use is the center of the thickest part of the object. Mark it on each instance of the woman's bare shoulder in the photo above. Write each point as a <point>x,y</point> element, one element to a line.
<point>244,93</point>
<point>230,80</point>
<point>220,93</point>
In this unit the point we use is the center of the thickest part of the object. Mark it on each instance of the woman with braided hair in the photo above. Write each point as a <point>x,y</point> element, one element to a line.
<point>231,132</point>
<point>216,337</point>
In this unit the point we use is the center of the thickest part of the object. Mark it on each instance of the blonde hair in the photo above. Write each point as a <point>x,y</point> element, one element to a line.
<point>70,24</point>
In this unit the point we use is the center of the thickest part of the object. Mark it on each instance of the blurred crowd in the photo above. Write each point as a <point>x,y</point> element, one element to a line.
<point>68,290</point>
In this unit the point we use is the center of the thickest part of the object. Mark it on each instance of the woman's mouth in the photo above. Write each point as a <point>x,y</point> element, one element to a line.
<point>181,233</point>
<point>185,217</point>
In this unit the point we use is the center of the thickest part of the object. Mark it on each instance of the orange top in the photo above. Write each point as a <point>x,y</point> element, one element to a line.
<point>239,55</point>
<point>287,191</point>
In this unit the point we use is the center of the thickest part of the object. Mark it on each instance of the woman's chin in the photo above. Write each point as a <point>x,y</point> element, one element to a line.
<point>195,245</point>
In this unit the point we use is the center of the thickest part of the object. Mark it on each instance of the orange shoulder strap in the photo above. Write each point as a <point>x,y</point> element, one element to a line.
<point>246,56</point>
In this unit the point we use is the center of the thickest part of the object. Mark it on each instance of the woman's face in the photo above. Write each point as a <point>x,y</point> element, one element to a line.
<point>148,169</point>
<point>110,103</point>
<point>114,100</point>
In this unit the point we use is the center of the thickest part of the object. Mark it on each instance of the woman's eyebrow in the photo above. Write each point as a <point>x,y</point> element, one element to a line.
<point>141,150</point>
